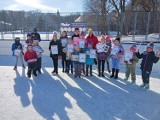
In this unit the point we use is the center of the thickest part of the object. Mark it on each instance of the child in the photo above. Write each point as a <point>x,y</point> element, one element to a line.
<point>64,40</point>
<point>102,55</point>
<point>55,48</point>
<point>17,52</point>
<point>29,40</point>
<point>109,44</point>
<point>131,65</point>
<point>31,58</point>
<point>77,64</point>
<point>82,48</point>
<point>89,60</point>
<point>116,55</point>
<point>38,51</point>
<point>148,58</point>
<point>68,50</point>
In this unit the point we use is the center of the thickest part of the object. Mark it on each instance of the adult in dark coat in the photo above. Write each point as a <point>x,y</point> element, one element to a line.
<point>55,55</point>
<point>35,35</point>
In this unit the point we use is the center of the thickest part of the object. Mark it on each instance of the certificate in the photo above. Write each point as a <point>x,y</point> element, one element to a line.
<point>75,57</point>
<point>70,48</point>
<point>128,55</point>
<point>82,57</point>
<point>76,40</point>
<point>114,50</point>
<point>81,43</point>
<point>99,48</point>
<point>64,42</point>
<point>17,52</point>
<point>54,49</point>
<point>92,53</point>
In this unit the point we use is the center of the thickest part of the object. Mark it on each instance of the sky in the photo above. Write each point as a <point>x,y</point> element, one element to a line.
<point>43,5</point>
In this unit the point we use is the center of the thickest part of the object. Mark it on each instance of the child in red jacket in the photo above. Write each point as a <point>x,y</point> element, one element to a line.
<point>31,58</point>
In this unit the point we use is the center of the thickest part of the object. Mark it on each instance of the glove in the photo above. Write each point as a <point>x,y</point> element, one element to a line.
<point>126,62</point>
<point>131,60</point>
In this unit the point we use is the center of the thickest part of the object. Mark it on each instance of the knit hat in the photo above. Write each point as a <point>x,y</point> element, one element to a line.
<point>133,48</point>
<point>150,45</point>
<point>82,33</point>
<point>107,37</point>
<point>55,33</point>
<point>34,29</point>
<point>118,39</point>
<point>90,30</point>
<point>28,34</point>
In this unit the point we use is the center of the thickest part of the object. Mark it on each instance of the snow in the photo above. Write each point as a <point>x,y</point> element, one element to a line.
<point>62,97</point>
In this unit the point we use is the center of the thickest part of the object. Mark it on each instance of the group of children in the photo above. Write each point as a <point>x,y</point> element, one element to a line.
<point>32,55</point>
<point>79,55</point>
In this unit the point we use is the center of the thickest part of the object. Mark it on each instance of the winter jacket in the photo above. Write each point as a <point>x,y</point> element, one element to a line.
<point>148,58</point>
<point>38,50</point>
<point>89,61</point>
<point>59,45</point>
<point>16,46</point>
<point>94,40</point>
<point>30,57</point>
<point>36,36</point>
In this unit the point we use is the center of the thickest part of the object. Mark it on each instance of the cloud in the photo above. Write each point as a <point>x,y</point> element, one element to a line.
<point>36,4</point>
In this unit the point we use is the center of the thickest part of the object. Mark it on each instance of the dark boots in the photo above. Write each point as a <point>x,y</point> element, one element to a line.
<point>116,75</point>
<point>113,70</point>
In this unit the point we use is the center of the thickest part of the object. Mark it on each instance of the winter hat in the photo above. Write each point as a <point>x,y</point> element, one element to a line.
<point>150,45</point>
<point>133,48</point>
<point>34,29</point>
<point>90,30</point>
<point>17,39</point>
<point>28,34</point>
<point>82,33</point>
<point>118,39</point>
<point>55,33</point>
<point>107,37</point>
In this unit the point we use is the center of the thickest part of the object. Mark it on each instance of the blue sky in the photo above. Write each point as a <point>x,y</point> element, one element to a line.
<point>43,5</point>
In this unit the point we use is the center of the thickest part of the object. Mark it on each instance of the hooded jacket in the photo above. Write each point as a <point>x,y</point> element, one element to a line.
<point>148,58</point>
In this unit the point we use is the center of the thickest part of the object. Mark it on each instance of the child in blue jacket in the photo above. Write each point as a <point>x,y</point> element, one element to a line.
<point>17,52</point>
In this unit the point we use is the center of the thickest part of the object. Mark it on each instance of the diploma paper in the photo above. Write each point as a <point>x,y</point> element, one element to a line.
<point>99,48</point>
<point>76,40</point>
<point>75,58</point>
<point>82,57</point>
<point>81,43</point>
<point>114,50</point>
<point>54,49</point>
<point>70,48</point>
<point>128,56</point>
<point>17,52</point>
<point>92,53</point>
<point>64,42</point>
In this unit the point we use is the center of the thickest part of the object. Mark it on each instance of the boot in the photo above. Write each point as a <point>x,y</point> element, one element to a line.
<point>103,74</point>
<point>116,75</point>
<point>113,70</point>
<point>109,71</point>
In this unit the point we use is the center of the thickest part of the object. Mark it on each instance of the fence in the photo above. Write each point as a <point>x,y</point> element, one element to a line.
<point>19,23</point>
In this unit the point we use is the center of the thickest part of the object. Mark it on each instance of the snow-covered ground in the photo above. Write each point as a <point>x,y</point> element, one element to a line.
<point>62,97</point>
<point>48,36</point>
